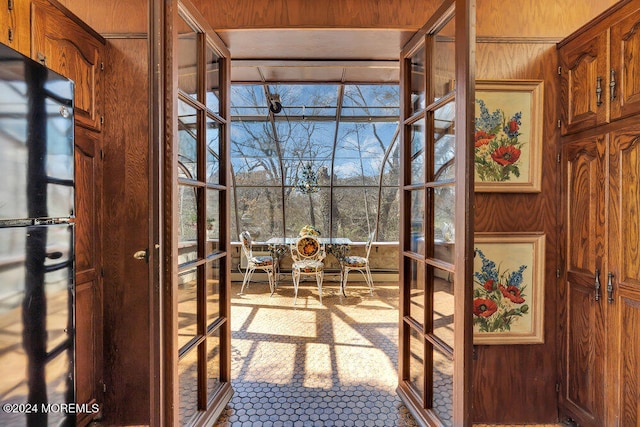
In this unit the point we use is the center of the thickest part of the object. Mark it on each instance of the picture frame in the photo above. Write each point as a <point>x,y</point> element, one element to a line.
<point>508,136</point>
<point>508,288</point>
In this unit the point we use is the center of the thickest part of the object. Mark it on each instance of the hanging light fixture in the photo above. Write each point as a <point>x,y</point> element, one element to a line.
<point>308,182</point>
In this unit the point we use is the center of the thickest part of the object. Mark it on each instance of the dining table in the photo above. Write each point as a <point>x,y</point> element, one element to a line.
<point>336,246</point>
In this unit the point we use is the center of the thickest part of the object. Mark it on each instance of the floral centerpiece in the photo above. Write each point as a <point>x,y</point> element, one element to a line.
<point>497,149</point>
<point>498,297</point>
<point>309,230</point>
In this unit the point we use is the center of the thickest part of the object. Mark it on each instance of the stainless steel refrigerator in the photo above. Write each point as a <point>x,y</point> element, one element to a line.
<point>36,244</point>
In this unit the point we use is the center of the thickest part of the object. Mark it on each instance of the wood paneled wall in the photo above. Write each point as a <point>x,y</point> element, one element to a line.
<point>111,16</point>
<point>524,374</point>
<point>517,18</point>
<point>126,225</point>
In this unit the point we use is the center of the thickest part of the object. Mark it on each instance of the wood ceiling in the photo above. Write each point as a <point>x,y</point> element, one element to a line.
<point>315,41</point>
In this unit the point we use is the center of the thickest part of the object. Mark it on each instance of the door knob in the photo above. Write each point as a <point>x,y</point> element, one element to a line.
<point>141,255</point>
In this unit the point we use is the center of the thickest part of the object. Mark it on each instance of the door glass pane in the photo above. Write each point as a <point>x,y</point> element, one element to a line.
<point>213,151</point>
<point>187,57</point>
<point>444,143</point>
<point>188,386</point>
<point>213,363</point>
<point>416,242</point>
<point>444,215</point>
<point>444,66</point>
<point>212,73</point>
<point>417,152</point>
<point>187,306</point>
<point>415,272</point>
<point>187,141</point>
<point>443,387</point>
<point>416,362</point>
<point>417,81</point>
<point>187,224</point>
<point>213,221</point>
<point>213,291</point>
<point>443,303</point>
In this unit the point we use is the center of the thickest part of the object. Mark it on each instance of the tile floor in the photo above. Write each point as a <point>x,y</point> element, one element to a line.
<point>315,365</point>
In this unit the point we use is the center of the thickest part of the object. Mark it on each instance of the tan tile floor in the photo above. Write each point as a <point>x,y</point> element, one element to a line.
<point>315,365</point>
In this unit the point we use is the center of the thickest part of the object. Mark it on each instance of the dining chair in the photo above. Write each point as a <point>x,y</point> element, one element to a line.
<point>308,255</point>
<point>261,262</point>
<point>360,264</point>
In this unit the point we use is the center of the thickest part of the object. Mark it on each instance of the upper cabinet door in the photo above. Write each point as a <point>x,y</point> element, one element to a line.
<point>14,25</point>
<point>584,93</point>
<point>625,67</point>
<point>71,49</point>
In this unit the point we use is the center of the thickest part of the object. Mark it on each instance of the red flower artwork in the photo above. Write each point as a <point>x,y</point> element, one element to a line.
<point>512,293</point>
<point>483,138</point>
<point>513,126</point>
<point>484,307</point>
<point>506,155</point>
<point>488,285</point>
<point>499,297</point>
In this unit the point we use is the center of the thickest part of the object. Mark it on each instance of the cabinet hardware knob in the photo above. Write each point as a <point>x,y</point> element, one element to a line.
<point>612,84</point>
<point>610,288</point>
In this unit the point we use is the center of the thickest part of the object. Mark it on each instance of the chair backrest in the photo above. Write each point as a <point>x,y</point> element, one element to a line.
<point>307,247</point>
<point>369,243</point>
<point>247,243</point>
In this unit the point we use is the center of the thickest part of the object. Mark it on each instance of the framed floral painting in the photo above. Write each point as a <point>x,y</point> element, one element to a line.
<point>508,288</point>
<point>508,135</point>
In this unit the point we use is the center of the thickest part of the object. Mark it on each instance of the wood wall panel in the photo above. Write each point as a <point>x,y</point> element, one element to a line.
<point>113,16</point>
<point>226,14</point>
<point>126,172</point>
<point>535,18</point>
<point>519,18</point>
<point>525,373</point>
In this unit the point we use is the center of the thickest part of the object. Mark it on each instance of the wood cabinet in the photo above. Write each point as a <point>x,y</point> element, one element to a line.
<point>599,69</point>
<point>601,301</point>
<point>600,290</point>
<point>14,26</point>
<point>66,45</point>
<point>89,291</point>
<point>583,309</point>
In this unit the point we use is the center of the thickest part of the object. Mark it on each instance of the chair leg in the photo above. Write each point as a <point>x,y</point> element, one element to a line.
<point>296,279</point>
<point>270,276</point>
<point>344,283</point>
<point>369,280</point>
<point>247,278</point>
<point>319,277</point>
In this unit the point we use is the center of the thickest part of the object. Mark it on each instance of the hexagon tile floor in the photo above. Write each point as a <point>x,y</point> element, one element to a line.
<point>333,364</point>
